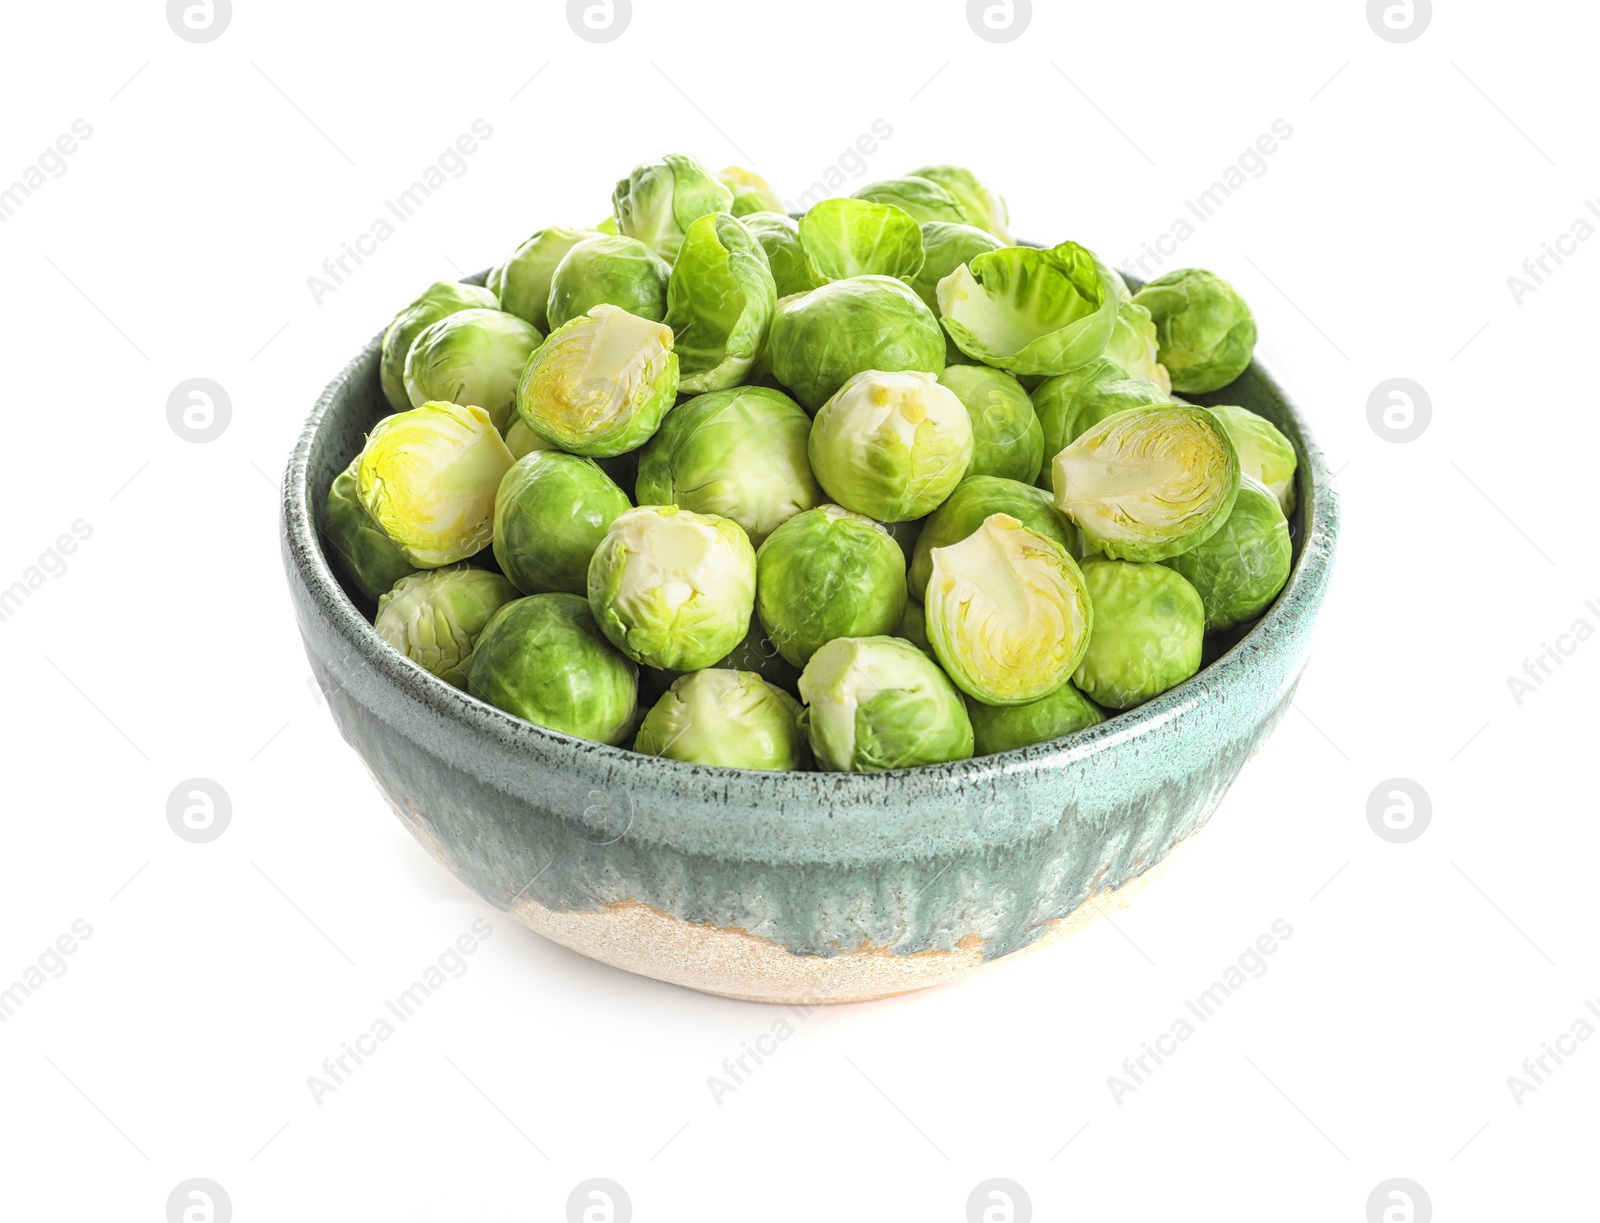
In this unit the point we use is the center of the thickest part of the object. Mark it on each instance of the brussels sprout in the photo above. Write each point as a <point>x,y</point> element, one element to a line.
<point>1240,570</point>
<point>821,338</point>
<point>522,281</point>
<point>891,446</point>
<point>1149,627</point>
<point>845,238</point>
<point>1206,332</point>
<point>472,357</point>
<point>428,478</point>
<point>729,718</point>
<point>720,302</point>
<point>981,206</point>
<point>437,300</point>
<point>740,453</point>
<point>609,271</point>
<point>1030,311</point>
<point>1007,439</point>
<point>877,703</point>
<point>521,440</point>
<point>828,573</point>
<point>751,192</point>
<point>1069,405</point>
<point>367,557</point>
<point>999,728</point>
<point>920,198</point>
<point>550,514</point>
<point>657,203</point>
<point>964,511</point>
<point>543,659</point>
<point>673,589</point>
<point>1008,613</point>
<point>1264,452</point>
<point>786,258</point>
<point>913,627</point>
<point>945,247</point>
<point>435,618</point>
<point>600,384</point>
<point>1133,346</point>
<point>1149,483</point>
<point>607,226</point>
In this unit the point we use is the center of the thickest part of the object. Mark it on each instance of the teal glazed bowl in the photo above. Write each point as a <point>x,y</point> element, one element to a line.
<point>783,887</point>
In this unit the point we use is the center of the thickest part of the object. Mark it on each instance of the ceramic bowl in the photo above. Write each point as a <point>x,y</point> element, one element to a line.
<point>792,886</point>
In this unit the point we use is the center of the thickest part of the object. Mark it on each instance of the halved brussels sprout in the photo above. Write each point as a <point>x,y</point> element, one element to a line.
<point>521,440</point>
<point>1206,332</point>
<point>920,198</point>
<point>522,281</point>
<point>673,589</point>
<point>845,238</point>
<point>360,550</point>
<point>1069,405</point>
<point>1264,452</point>
<point>740,453</point>
<point>428,478</point>
<point>1008,613</point>
<point>720,302</point>
<point>1149,483</point>
<point>876,703</point>
<point>999,728</point>
<point>1149,628</point>
<point>828,573</point>
<point>964,511</point>
<point>1030,311</point>
<point>473,357</point>
<point>945,247</point>
<point>437,300</point>
<point>543,659</point>
<point>1007,439</point>
<point>779,236</point>
<point>821,338</point>
<point>982,207</point>
<point>550,514</point>
<point>729,718</point>
<point>435,618</point>
<point>600,385</point>
<point>657,203</point>
<point>751,192</point>
<point>1239,571</point>
<point>606,270</point>
<point>891,446</point>
<point>1133,346</point>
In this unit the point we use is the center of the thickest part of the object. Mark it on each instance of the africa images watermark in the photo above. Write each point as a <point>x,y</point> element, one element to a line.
<point>1250,164</point>
<point>51,563</point>
<point>50,965</point>
<point>1537,1070</point>
<point>450,164</point>
<point>850,164</point>
<point>1536,269</point>
<point>52,163</point>
<point>1536,671</point>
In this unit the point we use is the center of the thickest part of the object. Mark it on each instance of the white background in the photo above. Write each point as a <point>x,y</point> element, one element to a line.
<point>177,244</point>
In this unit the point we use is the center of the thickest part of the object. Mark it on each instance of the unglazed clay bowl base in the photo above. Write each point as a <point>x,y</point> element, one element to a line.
<point>793,887</point>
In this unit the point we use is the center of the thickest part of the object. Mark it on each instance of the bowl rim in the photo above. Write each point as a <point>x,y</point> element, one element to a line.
<point>1301,597</point>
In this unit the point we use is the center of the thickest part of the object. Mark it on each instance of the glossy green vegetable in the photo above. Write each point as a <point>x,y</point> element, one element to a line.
<point>368,558</point>
<point>521,440</point>
<point>1133,346</point>
<point>779,236</point>
<point>1239,571</point>
<point>821,338</point>
<point>891,445</point>
<point>828,573</point>
<point>1008,613</point>
<point>740,453</point>
<point>729,718</point>
<point>428,479</point>
<point>1205,331</point>
<point>1069,405</point>
<point>550,514</point>
<point>472,357</point>
<point>1057,714</point>
<point>852,237</point>
<point>920,198</point>
<point>1149,626</point>
<point>435,618</point>
<point>542,659</point>
<point>439,299</point>
<point>720,303</point>
<point>605,270</point>
<point>1149,483</point>
<point>522,281</point>
<point>963,512</point>
<point>877,703</point>
<point>945,247</point>
<point>981,206</point>
<point>1264,452</point>
<point>657,203</point>
<point>600,384</point>
<point>751,192</point>
<point>1007,439</point>
<point>673,589</point>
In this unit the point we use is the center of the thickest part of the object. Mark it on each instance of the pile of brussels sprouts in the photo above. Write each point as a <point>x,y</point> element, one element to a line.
<point>870,489</point>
